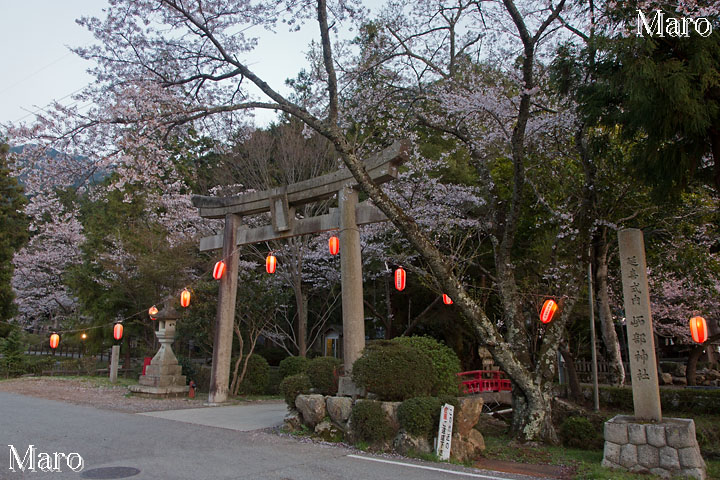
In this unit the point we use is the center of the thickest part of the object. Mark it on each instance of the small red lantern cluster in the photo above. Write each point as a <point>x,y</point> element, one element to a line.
<point>270,263</point>
<point>446,299</point>
<point>118,331</point>
<point>54,340</point>
<point>548,310</point>
<point>698,329</point>
<point>400,279</point>
<point>219,270</point>
<point>185,298</point>
<point>334,245</point>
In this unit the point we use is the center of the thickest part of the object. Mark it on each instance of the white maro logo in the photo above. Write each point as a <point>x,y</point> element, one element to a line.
<point>43,461</point>
<point>660,26</point>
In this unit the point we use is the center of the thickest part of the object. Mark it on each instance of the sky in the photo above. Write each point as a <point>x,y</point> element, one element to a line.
<point>37,66</point>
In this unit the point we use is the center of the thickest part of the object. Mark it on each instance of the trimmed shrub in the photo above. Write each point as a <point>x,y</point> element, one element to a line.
<point>36,364</point>
<point>273,355</point>
<point>322,374</point>
<point>293,386</point>
<point>394,372</point>
<point>293,366</point>
<point>579,432</point>
<point>369,422</point>
<point>420,416</point>
<point>257,376</point>
<point>444,360</point>
<point>273,386</point>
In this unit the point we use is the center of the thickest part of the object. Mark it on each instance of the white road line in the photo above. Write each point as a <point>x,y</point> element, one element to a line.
<point>434,469</point>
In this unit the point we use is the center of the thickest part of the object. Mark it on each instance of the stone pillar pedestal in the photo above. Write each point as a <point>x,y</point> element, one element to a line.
<point>163,377</point>
<point>668,448</point>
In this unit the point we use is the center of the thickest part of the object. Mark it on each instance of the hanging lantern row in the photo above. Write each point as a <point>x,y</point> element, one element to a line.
<point>698,329</point>
<point>54,340</point>
<point>548,310</point>
<point>118,331</point>
<point>334,245</point>
<point>270,263</point>
<point>219,270</point>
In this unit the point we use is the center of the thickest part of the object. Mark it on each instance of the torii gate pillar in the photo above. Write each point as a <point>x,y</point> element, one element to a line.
<point>353,313</point>
<point>224,320</point>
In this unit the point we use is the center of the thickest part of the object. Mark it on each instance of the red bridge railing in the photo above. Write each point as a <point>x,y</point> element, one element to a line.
<point>478,381</point>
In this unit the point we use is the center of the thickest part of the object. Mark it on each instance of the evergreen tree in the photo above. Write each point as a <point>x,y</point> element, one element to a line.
<point>13,230</point>
<point>665,94</point>
<point>11,349</point>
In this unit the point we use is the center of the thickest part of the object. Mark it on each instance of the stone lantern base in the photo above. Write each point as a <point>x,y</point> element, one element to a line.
<point>667,449</point>
<point>163,377</point>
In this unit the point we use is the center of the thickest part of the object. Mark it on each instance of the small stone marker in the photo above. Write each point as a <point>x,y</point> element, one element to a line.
<point>641,340</point>
<point>114,361</point>
<point>445,432</point>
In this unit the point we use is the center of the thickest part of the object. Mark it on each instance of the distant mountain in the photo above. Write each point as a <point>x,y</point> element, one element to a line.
<point>97,177</point>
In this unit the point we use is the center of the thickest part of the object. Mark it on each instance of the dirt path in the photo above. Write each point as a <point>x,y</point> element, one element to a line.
<point>95,394</point>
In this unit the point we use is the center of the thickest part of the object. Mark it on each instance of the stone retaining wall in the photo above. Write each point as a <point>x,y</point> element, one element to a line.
<point>329,417</point>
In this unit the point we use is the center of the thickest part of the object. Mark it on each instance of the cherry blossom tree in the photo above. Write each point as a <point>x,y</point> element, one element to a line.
<point>166,64</point>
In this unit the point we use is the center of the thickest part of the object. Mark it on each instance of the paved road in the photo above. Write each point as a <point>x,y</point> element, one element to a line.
<point>157,448</point>
<point>242,418</point>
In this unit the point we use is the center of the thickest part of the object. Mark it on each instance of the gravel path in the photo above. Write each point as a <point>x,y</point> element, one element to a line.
<point>95,393</point>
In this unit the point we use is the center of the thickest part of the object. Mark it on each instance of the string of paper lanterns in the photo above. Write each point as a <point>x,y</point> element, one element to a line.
<point>698,325</point>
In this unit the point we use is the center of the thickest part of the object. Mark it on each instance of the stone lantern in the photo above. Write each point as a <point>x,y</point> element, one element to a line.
<point>163,377</point>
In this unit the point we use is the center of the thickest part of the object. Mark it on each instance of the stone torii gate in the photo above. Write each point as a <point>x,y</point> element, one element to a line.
<point>281,203</point>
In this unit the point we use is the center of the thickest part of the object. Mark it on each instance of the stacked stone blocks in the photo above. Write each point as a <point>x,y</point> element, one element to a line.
<point>666,449</point>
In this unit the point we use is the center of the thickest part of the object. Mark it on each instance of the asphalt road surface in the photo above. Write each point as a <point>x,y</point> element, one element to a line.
<point>122,445</point>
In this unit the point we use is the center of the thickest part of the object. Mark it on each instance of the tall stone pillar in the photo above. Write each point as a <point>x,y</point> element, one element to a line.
<point>638,319</point>
<point>353,312</point>
<point>222,346</point>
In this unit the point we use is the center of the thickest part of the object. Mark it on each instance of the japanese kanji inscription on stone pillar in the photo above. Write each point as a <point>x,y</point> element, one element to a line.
<point>641,341</point>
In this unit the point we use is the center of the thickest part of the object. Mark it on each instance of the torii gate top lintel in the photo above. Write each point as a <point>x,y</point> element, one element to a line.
<point>381,167</point>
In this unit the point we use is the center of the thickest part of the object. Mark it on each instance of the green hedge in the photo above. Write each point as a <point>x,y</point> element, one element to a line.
<point>444,360</point>
<point>369,422</point>
<point>293,365</point>
<point>257,376</point>
<point>420,416</point>
<point>294,385</point>
<point>322,372</point>
<point>579,432</point>
<point>393,371</point>
<point>680,400</point>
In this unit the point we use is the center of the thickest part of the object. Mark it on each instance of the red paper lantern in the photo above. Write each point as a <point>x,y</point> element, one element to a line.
<point>54,340</point>
<point>270,263</point>
<point>698,329</point>
<point>153,311</point>
<point>117,331</point>
<point>400,279</point>
<point>548,310</point>
<point>185,298</point>
<point>219,270</point>
<point>447,300</point>
<point>334,244</point>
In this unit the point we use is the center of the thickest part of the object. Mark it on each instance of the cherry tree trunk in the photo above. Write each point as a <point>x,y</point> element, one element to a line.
<point>532,414</point>
<point>607,326</point>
